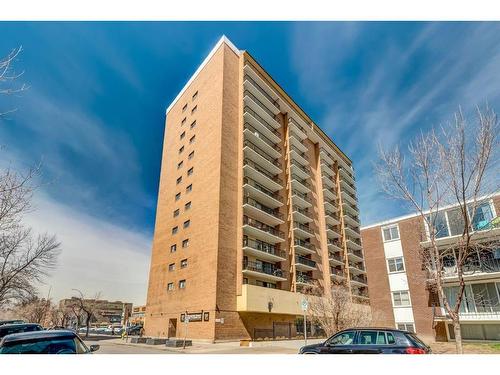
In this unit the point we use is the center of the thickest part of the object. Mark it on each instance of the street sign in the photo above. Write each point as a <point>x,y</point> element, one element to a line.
<point>304,305</point>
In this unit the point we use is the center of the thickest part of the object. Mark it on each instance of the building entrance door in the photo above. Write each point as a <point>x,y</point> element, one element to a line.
<point>172,328</point>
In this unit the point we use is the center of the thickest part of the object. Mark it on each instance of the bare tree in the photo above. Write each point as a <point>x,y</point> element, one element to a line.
<point>454,166</point>
<point>8,75</point>
<point>88,307</point>
<point>337,310</point>
<point>34,310</point>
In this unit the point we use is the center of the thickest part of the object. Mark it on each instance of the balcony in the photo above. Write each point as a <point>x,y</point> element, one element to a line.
<point>348,187</point>
<point>483,268</point>
<point>355,255</point>
<point>356,268</point>
<point>259,156</point>
<point>261,231</point>
<point>263,250</point>
<point>299,170</point>
<point>331,232</point>
<point>351,232</point>
<point>271,103</point>
<point>251,117</point>
<point>336,259</point>
<point>297,128</point>
<point>329,193</point>
<point>299,184</point>
<point>351,210</point>
<point>331,218</point>
<point>258,211</point>
<point>300,199</point>
<point>328,181</point>
<point>301,215</point>
<point>326,156</point>
<point>346,197</point>
<point>265,196</point>
<point>296,142</point>
<point>264,271</point>
<point>303,247</point>
<point>337,274</point>
<point>304,280</point>
<point>256,105</point>
<point>330,207</point>
<point>353,244</point>
<point>299,156</point>
<point>334,245</point>
<point>359,280</point>
<point>327,169</point>
<point>261,176</point>
<point>352,221</point>
<point>261,141</point>
<point>345,175</point>
<point>361,294</point>
<point>302,231</point>
<point>304,264</point>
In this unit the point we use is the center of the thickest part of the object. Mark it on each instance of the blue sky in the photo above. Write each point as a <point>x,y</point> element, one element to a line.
<point>95,110</point>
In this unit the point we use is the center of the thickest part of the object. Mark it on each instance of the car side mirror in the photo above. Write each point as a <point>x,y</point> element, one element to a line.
<point>94,348</point>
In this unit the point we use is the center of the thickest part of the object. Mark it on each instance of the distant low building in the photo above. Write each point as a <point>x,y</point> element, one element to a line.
<point>107,312</point>
<point>138,314</point>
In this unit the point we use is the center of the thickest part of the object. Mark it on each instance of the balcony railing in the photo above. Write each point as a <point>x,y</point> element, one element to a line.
<point>473,266</point>
<point>305,279</point>
<point>304,244</point>
<point>330,190</point>
<point>259,169</point>
<point>305,261</point>
<point>273,212</point>
<point>264,247</point>
<point>301,181</point>
<point>336,271</point>
<point>262,121</point>
<point>357,253</point>
<point>358,266</point>
<point>256,185</point>
<point>301,154</point>
<point>262,91</point>
<point>303,211</point>
<point>263,227</point>
<point>291,120</point>
<point>359,278</point>
<point>355,240</point>
<point>262,137</point>
<point>261,105</point>
<point>332,215</point>
<point>303,169</point>
<point>360,293</point>
<point>262,153</point>
<point>267,268</point>
<point>303,227</point>
<point>335,256</point>
<point>348,174</point>
<point>304,196</point>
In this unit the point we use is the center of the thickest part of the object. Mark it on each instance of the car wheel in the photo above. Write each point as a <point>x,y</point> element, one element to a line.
<point>309,353</point>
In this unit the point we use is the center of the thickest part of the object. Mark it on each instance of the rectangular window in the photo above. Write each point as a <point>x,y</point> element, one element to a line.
<point>191,140</point>
<point>401,298</point>
<point>191,154</point>
<point>183,134</point>
<point>179,165</point>
<point>181,150</point>
<point>190,171</point>
<point>410,327</point>
<point>184,108</point>
<point>391,233</point>
<point>193,124</point>
<point>396,264</point>
<point>194,109</point>
<point>177,196</point>
<point>187,223</point>
<point>482,216</point>
<point>184,263</point>
<point>195,95</point>
<point>176,213</point>
<point>170,286</point>
<point>455,221</point>
<point>440,225</point>
<point>183,121</point>
<point>173,248</point>
<point>189,188</point>
<point>171,267</point>
<point>182,284</point>
<point>175,230</point>
<point>185,243</point>
<point>179,180</point>
<point>187,206</point>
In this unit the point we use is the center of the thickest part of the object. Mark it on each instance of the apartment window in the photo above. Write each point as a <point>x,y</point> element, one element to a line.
<point>182,284</point>
<point>170,286</point>
<point>183,134</point>
<point>187,223</point>
<point>176,213</point>
<point>187,206</point>
<point>173,248</point>
<point>410,327</point>
<point>401,298</point>
<point>184,108</point>
<point>191,155</point>
<point>194,109</point>
<point>177,196</point>
<point>181,150</point>
<point>391,233</point>
<point>185,243</point>
<point>396,264</point>
<point>245,280</point>
<point>193,124</point>
<point>175,230</point>
<point>195,95</point>
<point>190,171</point>
<point>482,216</point>
<point>191,140</point>
<point>179,180</point>
<point>189,188</point>
<point>184,263</point>
<point>171,267</point>
<point>183,121</point>
<point>265,284</point>
<point>179,165</point>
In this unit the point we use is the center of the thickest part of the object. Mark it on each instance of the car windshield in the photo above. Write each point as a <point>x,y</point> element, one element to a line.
<point>51,346</point>
<point>4,331</point>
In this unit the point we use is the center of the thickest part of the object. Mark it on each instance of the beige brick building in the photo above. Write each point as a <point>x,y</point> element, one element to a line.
<point>398,289</point>
<point>255,204</point>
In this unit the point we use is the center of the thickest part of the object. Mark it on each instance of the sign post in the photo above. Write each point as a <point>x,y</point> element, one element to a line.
<point>304,305</point>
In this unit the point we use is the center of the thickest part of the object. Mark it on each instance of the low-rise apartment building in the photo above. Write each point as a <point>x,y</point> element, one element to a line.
<point>256,204</point>
<point>399,293</point>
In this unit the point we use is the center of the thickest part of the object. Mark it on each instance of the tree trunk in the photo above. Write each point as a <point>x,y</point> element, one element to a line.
<point>458,336</point>
<point>87,331</point>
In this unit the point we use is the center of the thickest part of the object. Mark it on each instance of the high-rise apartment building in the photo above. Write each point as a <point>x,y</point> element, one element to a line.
<point>256,204</point>
<point>399,293</point>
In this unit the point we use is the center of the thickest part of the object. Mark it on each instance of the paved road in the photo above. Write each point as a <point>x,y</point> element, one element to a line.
<point>108,346</point>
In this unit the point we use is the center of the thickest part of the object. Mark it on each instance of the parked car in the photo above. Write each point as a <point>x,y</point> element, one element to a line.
<point>369,341</point>
<point>45,342</point>
<point>134,330</point>
<point>2,322</point>
<point>8,329</point>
